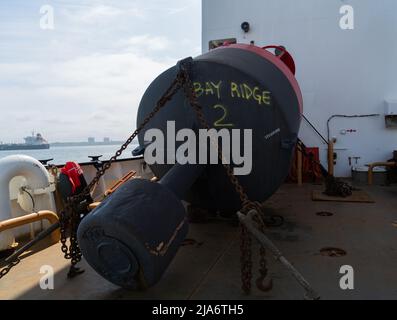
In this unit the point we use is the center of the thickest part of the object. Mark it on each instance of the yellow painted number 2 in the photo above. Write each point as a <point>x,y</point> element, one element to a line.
<point>220,123</point>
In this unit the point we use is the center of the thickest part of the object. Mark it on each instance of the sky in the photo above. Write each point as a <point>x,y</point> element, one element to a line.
<point>86,76</point>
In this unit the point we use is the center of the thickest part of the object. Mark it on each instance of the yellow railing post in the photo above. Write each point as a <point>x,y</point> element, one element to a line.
<point>331,160</point>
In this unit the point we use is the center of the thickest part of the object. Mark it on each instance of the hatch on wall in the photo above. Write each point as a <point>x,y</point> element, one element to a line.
<point>213,44</point>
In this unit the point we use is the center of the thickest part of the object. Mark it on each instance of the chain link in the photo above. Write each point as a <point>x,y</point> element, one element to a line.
<point>8,268</point>
<point>247,205</point>
<point>70,218</point>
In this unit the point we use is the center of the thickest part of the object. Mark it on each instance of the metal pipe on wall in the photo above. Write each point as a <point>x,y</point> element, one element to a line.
<point>347,116</point>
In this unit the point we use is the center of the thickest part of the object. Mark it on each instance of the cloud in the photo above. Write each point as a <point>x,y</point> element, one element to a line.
<point>99,13</point>
<point>87,76</point>
<point>177,10</point>
<point>100,91</point>
<point>17,70</point>
<point>145,43</point>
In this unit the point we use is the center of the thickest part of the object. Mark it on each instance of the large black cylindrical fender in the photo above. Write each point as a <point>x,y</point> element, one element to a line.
<point>132,237</point>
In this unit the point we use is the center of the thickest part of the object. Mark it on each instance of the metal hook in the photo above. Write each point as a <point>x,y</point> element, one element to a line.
<point>263,283</point>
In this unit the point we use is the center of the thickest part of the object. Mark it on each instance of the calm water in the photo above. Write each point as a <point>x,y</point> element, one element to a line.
<point>78,154</point>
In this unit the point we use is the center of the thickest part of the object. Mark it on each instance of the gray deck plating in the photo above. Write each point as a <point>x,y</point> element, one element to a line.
<point>211,271</point>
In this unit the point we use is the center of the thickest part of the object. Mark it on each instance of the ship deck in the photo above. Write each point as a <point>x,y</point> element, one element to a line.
<point>210,269</point>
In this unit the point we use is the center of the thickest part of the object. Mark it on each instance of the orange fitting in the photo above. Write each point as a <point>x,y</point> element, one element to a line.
<point>119,183</point>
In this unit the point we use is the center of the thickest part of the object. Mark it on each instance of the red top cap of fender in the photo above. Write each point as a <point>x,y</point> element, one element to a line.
<point>284,56</point>
<point>284,62</point>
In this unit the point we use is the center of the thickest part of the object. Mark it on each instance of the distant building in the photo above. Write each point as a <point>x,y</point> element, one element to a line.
<point>91,140</point>
<point>106,140</point>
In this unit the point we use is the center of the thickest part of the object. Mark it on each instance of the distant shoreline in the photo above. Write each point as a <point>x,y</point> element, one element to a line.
<point>85,144</point>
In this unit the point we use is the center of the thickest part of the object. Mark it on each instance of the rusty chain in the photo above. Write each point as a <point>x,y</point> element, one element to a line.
<point>70,218</point>
<point>8,268</point>
<point>247,205</point>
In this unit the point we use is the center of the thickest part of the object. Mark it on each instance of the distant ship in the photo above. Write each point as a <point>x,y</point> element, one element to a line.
<point>33,142</point>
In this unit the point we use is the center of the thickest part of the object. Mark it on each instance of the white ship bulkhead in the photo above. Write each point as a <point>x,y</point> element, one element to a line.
<point>341,71</point>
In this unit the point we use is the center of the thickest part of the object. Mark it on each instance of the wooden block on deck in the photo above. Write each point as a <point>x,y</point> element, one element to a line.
<point>357,196</point>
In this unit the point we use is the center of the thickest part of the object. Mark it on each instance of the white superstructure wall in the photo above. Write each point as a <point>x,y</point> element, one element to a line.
<point>340,71</point>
